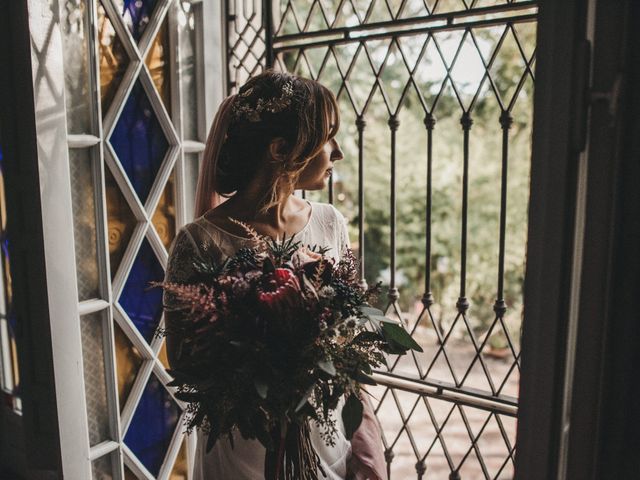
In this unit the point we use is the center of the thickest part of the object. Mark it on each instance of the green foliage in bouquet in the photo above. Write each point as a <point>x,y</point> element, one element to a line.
<point>272,339</point>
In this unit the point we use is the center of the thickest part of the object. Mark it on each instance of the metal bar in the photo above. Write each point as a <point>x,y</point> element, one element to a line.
<point>230,18</point>
<point>448,17</point>
<point>438,432</point>
<point>442,387</point>
<point>403,33</point>
<point>505,121</point>
<point>267,23</point>
<point>441,349</point>
<point>468,397</point>
<point>487,335</point>
<point>508,374</point>
<point>462,303</point>
<point>437,328</point>
<point>331,189</point>
<point>430,123</point>
<point>394,123</point>
<point>361,124</point>
<point>473,446</point>
<point>405,419</point>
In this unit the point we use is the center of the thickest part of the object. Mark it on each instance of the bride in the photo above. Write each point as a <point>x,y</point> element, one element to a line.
<point>276,135</point>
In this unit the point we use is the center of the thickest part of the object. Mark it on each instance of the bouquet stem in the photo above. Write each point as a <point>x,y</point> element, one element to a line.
<point>295,457</point>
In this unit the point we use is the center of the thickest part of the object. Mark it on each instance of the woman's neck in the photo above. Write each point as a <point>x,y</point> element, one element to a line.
<point>248,208</point>
<point>288,215</point>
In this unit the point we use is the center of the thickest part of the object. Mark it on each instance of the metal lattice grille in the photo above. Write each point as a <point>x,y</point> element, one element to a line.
<point>436,106</point>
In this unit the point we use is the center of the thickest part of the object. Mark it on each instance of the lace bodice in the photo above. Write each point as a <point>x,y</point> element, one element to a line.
<point>326,227</point>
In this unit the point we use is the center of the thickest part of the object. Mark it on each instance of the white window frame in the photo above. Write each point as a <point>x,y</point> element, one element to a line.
<point>57,217</point>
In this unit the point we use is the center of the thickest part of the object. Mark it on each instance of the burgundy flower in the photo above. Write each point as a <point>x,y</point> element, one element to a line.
<point>279,288</point>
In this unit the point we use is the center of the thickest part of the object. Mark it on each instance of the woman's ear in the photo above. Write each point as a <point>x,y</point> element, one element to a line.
<point>278,149</point>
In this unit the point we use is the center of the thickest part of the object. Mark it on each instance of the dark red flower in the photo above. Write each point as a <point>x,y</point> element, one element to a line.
<point>279,288</point>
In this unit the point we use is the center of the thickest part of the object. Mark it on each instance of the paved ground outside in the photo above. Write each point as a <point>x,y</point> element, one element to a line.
<point>455,434</point>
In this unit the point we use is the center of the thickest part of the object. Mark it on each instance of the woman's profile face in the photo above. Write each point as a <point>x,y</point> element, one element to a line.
<point>316,174</point>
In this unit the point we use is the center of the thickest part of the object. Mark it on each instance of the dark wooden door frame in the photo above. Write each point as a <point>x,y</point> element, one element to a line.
<point>578,415</point>
<point>33,438</point>
<point>554,171</point>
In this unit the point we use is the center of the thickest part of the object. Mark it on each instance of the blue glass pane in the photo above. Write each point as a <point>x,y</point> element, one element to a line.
<point>136,15</point>
<point>139,141</point>
<point>152,426</point>
<point>143,305</point>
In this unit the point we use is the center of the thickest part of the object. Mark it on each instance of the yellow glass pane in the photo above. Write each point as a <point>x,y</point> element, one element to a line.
<point>14,362</point>
<point>179,471</point>
<point>162,355</point>
<point>4,268</point>
<point>113,59</point>
<point>164,218</point>
<point>5,272</point>
<point>158,63</point>
<point>128,361</point>
<point>121,222</point>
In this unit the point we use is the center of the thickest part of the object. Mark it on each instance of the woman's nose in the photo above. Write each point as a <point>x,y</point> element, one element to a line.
<point>337,153</point>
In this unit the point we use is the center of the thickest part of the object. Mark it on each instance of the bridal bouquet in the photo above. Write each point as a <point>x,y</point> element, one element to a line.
<point>272,339</point>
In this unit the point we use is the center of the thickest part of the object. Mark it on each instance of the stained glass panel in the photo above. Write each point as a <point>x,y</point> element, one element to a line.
<point>164,218</point>
<point>158,63</point>
<point>95,381</point>
<point>143,305</point>
<point>136,15</point>
<point>121,222</point>
<point>84,222</point>
<point>76,65</point>
<point>113,59</point>
<point>162,356</point>
<point>128,361</point>
<point>139,141</point>
<point>153,425</point>
<point>8,349</point>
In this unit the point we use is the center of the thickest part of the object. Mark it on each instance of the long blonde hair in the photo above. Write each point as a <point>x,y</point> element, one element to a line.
<point>237,145</point>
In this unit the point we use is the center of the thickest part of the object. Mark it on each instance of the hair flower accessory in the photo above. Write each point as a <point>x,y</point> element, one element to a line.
<point>242,110</point>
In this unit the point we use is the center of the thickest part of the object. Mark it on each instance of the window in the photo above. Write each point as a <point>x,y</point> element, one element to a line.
<point>436,101</point>
<point>135,127</point>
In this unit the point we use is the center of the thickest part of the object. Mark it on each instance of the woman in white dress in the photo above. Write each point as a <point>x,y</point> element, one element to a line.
<point>276,135</point>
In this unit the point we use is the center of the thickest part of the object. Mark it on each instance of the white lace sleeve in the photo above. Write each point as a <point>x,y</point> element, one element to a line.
<point>180,269</point>
<point>342,232</point>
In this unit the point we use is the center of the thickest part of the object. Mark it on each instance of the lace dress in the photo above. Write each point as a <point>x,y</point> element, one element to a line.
<point>325,227</point>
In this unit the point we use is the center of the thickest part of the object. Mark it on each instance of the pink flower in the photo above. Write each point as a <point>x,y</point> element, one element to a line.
<point>303,256</point>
